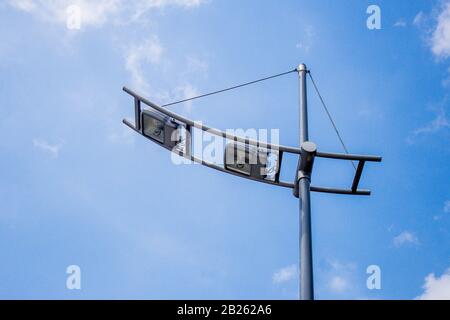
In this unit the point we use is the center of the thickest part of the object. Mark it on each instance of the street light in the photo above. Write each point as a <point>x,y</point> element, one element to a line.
<point>161,129</point>
<point>249,160</point>
<point>254,160</point>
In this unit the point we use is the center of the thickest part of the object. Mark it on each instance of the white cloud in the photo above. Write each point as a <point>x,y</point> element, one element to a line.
<point>440,41</point>
<point>24,5</point>
<point>447,206</point>
<point>302,46</point>
<point>143,6</point>
<point>52,149</point>
<point>149,51</point>
<point>438,38</point>
<point>338,284</point>
<point>285,274</point>
<point>436,288</point>
<point>339,278</point>
<point>307,40</point>
<point>95,13</point>
<point>124,136</point>
<point>196,67</point>
<point>400,23</point>
<point>405,238</point>
<point>138,57</point>
<point>440,122</point>
<point>186,91</point>
<point>419,18</point>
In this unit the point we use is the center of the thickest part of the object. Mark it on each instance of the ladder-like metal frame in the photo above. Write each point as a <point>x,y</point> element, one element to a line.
<point>189,124</point>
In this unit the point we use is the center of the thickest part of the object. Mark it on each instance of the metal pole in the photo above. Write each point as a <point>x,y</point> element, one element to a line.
<point>303,180</point>
<point>303,104</point>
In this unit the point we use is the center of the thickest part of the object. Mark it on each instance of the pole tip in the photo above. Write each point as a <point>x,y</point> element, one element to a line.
<point>309,147</point>
<point>301,67</point>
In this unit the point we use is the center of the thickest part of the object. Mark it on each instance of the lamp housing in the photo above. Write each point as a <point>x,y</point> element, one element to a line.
<point>248,160</point>
<point>161,129</point>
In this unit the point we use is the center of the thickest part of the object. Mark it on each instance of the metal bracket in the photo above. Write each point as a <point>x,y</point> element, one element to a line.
<point>307,152</point>
<point>305,164</point>
<point>350,157</point>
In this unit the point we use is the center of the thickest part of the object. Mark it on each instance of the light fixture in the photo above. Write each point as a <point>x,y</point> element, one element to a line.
<point>250,161</point>
<point>161,129</point>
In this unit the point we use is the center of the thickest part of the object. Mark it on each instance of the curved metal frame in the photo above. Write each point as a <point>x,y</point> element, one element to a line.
<point>280,148</point>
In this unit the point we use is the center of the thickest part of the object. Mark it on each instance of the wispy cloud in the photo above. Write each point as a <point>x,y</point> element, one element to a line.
<point>440,41</point>
<point>98,12</point>
<point>306,43</point>
<point>139,55</point>
<point>405,238</point>
<point>436,288</point>
<point>142,7</point>
<point>445,209</point>
<point>196,66</point>
<point>440,122</point>
<point>93,13</point>
<point>149,51</point>
<point>447,206</point>
<point>400,23</point>
<point>419,18</point>
<point>185,91</point>
<point>285,274</point>
<point>46,147</point>
<point>122,136</point>
<point>437,30</point>
<point>338,284</point>
<point>340,277</point>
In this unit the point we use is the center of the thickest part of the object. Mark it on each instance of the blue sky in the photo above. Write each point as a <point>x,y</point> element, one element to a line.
<point>79,188</point>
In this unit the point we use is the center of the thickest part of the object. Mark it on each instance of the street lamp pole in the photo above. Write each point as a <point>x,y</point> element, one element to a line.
<point>308,150</point>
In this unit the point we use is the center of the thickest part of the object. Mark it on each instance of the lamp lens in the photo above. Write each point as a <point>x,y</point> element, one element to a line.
<point>237,159</point>
<point>153,128</point>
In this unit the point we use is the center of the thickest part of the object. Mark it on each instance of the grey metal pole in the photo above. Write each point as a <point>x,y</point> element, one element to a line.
<point>308,148</point>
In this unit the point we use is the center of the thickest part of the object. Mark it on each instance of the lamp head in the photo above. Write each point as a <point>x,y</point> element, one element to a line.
<point>161,129</point>
<point>250,161</point>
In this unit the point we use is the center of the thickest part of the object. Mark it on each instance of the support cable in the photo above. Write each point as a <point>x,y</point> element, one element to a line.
<point>230,88</point>
<point>330,117</point>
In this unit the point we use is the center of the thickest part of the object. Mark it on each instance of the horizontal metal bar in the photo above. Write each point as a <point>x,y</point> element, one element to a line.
<point>357,175</point>
<point>209,129</point>
<point>361,192</point>
<point>219,168</point>
<point>344,156</point>
<point>128,123</point>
